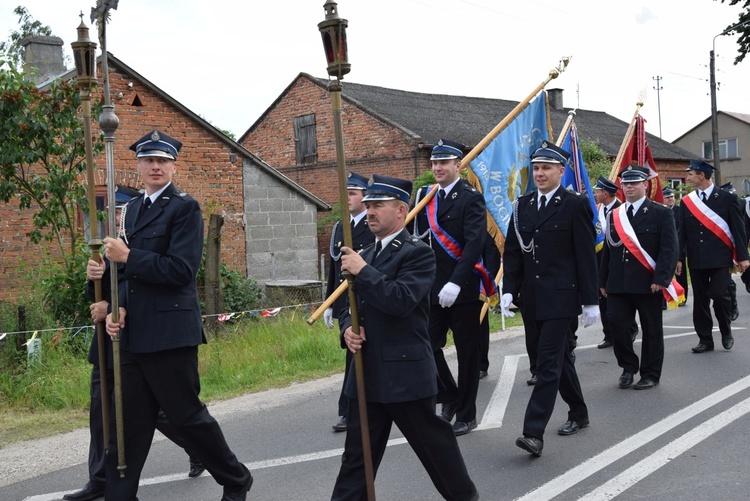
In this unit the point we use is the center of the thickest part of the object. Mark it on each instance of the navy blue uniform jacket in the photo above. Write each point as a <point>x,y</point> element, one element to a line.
<point>393,296</point>
<point>654,227</point>
<point>157,286</point>
<point>560,274</point>
<point>463,216</point>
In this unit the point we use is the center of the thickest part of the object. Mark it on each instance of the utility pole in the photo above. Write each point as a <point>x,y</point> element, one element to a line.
<point>658,98</point>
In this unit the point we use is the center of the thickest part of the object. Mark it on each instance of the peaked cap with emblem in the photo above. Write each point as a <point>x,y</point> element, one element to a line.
<point>446,150</point>
<point>356,182</point>
<point>156,144</point>
<point>551,154</point>
<point>634,174</point>
<point>605,184</point>
<point>701,166</point>
<point>387,188</point>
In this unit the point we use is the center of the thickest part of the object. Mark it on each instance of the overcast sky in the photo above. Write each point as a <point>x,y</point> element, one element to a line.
<point>229,60</point>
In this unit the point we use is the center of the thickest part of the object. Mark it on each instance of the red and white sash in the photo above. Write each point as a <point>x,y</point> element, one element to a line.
<point>674,293</point>
<point>710,220</point>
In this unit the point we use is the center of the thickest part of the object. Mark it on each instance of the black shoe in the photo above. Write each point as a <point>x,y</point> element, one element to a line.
<point>571,427</point>
<point>626,379</point>
<point>684,303</point>
<point>448,410</point>
<point>532,380</point>
<point>238,494</point>
<point>702,348</point>
<point>92,490</point>
<point>604,344</point>
<point>735,313</point>
<point>727,342</point>
<point>530,444</point>
<point>482,374</point>
<point>462,428</point>
<point>340,424</point>
<point>196,468</point>
<point>645,384</point>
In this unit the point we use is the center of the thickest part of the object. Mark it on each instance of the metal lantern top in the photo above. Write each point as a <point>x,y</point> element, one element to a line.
<point>333,31</point>
<point>84,53</point>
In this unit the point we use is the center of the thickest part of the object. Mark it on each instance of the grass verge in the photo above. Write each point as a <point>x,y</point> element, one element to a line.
<point>250,355</point>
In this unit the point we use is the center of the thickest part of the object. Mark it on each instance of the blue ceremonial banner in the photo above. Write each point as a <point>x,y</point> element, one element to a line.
<point>503,167</point>
<point>577,179</point>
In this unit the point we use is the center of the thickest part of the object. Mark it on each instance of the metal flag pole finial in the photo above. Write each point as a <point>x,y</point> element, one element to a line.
<point>108,123</point>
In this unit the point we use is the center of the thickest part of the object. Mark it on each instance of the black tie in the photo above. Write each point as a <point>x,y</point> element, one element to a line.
<point>542,203</point>
<point>606,211</point>
<point>378,248</point>
<point>442,194</point>
<point>353,224</point>
<point>630,212</point>
<point>703,196</point>
<point>144,206</point>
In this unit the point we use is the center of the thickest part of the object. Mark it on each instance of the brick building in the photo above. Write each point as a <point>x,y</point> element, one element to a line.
<point>270,222</point>
<point>391,132</point>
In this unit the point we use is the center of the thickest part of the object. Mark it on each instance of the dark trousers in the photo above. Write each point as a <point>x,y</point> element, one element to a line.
<point>711,285</point>
<point>484,343</point>
<point>555,370</point>
<point>463,320</point>
<point>621,313</point>
<point>167,380</point>
<point>429,435</point>
<point>343,400</point>
<point>531,337</point>
<point>96,461</point>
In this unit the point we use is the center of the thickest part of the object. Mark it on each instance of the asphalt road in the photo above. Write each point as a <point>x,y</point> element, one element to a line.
<point>685,439</point>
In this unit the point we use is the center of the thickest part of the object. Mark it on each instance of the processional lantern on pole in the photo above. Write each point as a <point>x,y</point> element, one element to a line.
<point>333,32</point>
<point>84,54</point>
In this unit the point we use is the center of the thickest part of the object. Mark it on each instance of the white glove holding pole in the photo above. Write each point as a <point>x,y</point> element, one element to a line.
<point>328,317</point>
<point>448,294</point>
<point>590,315</point>
<point>505,303</point>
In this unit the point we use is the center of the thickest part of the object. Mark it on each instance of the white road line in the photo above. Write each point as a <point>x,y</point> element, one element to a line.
<point>493,414</point>
<point>584,470</point>
<point>647,466</point>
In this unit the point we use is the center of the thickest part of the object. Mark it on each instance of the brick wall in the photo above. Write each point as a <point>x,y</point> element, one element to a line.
<point>206,169</point>
<point>372,146</point>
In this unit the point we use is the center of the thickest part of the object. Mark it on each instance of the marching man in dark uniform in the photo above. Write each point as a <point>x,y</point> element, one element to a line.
<point>361,238</point>
<point>550,271</point>
<point>94,488</point>
<point>161,327</point>
<point>393,280</point>
<point>712,234</point>
<point>455,221</point>
<point>638,264</point>
<point>604,193</point>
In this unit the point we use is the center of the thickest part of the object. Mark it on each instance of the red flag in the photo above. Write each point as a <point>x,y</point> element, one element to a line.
<point>638,152</point>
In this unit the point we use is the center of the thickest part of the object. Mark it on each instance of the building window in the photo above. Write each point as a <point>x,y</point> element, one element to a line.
<point>306,146</point>
<point>727,149</point>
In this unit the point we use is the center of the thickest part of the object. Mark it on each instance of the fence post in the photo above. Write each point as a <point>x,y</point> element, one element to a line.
<point>212,286</point>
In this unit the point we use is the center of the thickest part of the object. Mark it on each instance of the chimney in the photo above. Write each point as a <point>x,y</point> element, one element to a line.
<point>555,97</point>
<point>43,58</point>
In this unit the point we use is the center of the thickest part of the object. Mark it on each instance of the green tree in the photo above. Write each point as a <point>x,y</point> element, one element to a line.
<point>42,155</point>
<point>597,162</point>
<point>29,27</point>
<point>743,41</point>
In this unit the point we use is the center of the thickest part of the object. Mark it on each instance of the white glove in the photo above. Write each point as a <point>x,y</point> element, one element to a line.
<point>328,317</point>
<point>448,294</point>
<point>505,303</point>
<point>590,315</point>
